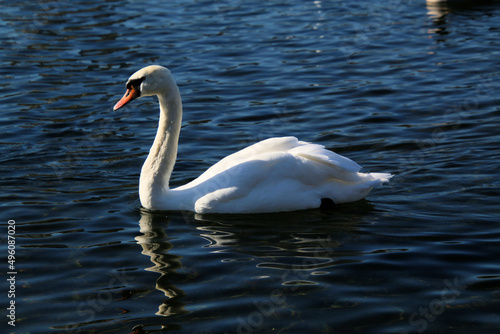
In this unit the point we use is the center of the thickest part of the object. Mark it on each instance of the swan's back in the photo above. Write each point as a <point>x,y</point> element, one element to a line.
<point>278,174</point>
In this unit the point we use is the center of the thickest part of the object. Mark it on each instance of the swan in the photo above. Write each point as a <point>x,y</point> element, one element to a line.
<point>274,175</point>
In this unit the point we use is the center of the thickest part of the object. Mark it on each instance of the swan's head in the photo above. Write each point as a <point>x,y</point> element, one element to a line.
<point>150,80</point>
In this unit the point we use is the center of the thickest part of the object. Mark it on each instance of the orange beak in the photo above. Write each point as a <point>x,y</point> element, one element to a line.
<point>129,96</point>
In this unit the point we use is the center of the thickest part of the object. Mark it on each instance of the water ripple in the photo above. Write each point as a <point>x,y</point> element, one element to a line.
<point>397,86</point>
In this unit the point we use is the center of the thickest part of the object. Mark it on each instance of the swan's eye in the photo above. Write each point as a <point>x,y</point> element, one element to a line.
<point>136,83</point>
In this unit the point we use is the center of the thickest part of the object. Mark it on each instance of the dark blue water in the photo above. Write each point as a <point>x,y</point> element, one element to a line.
<point>397,86</point>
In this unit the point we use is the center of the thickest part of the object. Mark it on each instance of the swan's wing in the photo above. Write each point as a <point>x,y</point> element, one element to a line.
<point>285,175</point>
<point>279,174</point>
<point>279,181</point>
<point>319,154</point>
<point>321,163</point>
<point>281,144</point>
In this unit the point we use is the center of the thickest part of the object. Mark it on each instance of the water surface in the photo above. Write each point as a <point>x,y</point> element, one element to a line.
<point>397,86</point>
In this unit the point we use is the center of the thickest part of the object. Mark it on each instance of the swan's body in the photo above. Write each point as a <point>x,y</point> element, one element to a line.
<point>277,174</point>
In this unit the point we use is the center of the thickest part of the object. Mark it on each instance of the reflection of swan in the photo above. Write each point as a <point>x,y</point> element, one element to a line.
<point>295,246</point>
<point>155,245</point>
<point>440,8</point>
<point>436,9</point>
<point>277,174</point>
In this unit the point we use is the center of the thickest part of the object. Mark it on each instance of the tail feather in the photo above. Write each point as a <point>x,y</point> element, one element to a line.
<point>382,177</point>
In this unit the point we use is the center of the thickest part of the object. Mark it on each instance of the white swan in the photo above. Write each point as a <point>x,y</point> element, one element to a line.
<point>277,174</point>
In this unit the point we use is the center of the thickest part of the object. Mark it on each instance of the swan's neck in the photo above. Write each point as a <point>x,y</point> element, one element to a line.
<point>156,171</point>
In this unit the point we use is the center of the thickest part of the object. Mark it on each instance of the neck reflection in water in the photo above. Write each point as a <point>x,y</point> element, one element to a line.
<point>155,244</point>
